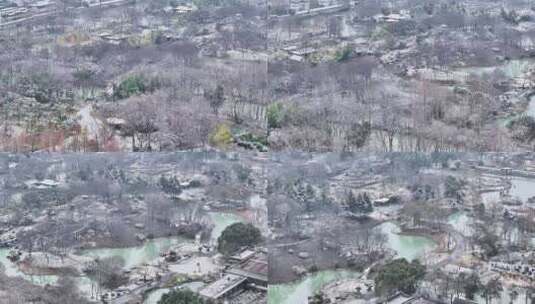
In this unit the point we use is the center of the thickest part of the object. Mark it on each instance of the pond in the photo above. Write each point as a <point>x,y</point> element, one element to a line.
<point>150,251</point>
<point>222,221</point>
<point>298,292</point>
<point>133,256</point>
<point>147,253</point>
<point>406,246</point>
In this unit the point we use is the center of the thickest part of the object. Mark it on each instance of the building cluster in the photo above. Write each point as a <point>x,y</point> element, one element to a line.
<point>517,269</point>
<point>15,10</point>
<point>245,279</point>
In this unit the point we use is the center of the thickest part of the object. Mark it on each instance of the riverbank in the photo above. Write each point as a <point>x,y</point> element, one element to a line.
<point>296,259</point>
<point>290,264</point>
<point>298,291</point>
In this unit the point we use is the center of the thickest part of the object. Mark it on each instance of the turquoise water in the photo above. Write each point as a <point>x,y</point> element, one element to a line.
<point>133,256</point>
<point>406,246</point>
<point>222,221</point>
<point>299,291</point>
<point>151,249</point>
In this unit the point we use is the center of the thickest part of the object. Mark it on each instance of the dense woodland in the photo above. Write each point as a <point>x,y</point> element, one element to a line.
<point>368,75</point>
<point>167,81</point>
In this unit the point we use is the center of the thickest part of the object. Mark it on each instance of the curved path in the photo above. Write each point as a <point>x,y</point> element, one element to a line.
<point>458,251</point>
